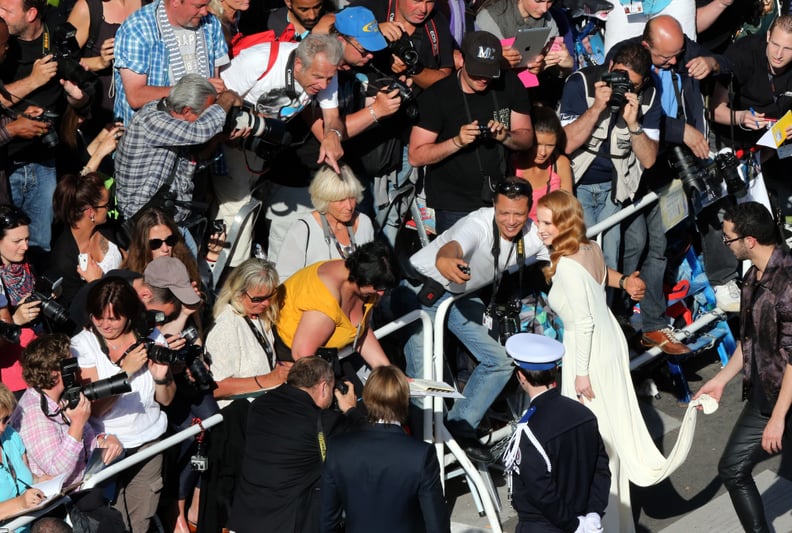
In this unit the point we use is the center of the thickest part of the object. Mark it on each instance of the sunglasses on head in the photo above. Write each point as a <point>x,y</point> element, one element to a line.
<point>170,240</point>
<point>510,188</point>
<point>14,218</point>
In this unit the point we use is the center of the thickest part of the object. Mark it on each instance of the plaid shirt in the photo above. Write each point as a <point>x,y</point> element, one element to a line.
<point>5,137</point>
<point>154,144</point>
<point>51,451</point>
<point>140,48</point>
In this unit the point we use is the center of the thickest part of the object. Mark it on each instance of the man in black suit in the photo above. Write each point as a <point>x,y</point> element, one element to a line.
<point>284,450</point>
<point>381,477</point>
<point>562,478</point>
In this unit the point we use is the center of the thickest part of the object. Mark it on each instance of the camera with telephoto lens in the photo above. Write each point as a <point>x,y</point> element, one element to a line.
<point>267,135</point>
<point>404,49</point>
<point>191,356</point>
<point>66,51</point>
<point>507,318</point>
<point>103,388</point>
<point>619,82</point>
<point>407,95</point>
<point>10,332</point>
<point>46,292</point>
<point>707,178</point>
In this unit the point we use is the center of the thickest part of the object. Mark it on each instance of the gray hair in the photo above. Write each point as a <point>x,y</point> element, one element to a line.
<point>190,91</point>
<point>329,186</point>
<point>250,274</point>
<point>319,44</point>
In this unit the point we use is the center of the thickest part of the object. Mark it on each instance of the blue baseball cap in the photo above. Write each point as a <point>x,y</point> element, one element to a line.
<point>359,22</point>
<point>534,352</point>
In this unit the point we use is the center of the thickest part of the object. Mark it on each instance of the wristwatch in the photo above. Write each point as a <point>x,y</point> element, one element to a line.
<point>639,131</point>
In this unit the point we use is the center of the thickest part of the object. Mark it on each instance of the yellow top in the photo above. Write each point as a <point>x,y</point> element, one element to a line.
<point>304,291</point>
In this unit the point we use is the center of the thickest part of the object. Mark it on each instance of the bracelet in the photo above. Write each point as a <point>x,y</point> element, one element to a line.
<point>259,385</point>
<point>740,122</point>
<point>622,280</point>
<point>337,132</point>
<point>373,114</point>
<point>460,145</point>
<point>167,381</point>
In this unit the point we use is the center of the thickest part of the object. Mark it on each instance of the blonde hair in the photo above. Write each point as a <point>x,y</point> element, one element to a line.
<point>330,186</point>
<point>7,399</point>
<point>251,273</point>
<point>387,395</point>
<point>568,219</point>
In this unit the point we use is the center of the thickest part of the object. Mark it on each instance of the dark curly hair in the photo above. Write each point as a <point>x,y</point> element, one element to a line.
<point>42,357</point>
<point>372,264</point>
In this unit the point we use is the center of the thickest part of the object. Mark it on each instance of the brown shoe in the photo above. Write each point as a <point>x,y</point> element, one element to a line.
<point>665,340</point>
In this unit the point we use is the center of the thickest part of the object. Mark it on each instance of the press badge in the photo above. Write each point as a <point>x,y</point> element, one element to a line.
<point>486,320</point>
<point>635,12</point>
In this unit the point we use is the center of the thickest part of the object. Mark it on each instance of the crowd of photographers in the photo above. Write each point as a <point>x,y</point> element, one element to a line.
<point>137,124</point>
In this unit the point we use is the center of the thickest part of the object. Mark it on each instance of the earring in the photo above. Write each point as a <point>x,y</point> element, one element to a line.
<point>93,218</point>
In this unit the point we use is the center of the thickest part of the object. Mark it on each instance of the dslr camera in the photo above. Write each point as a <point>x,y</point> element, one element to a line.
<point>46,292</point>
<point>191,356</point>
<point>505,319</point>
<point>267,135</point>
<point>404,49</point>
<point>705,180</point>
<point>407,95</point>
<point>103,388</point>
<point>66,51</point>
<point>619,81</point>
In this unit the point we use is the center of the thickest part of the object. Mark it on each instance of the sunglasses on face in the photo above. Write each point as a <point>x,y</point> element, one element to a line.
<point>170,240</point>
<point>259,299</point>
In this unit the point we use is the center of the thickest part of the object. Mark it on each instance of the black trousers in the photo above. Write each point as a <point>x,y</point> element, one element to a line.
<point>743,451</point>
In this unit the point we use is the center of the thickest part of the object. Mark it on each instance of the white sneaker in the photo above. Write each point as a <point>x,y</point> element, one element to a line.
<point>727,296</point>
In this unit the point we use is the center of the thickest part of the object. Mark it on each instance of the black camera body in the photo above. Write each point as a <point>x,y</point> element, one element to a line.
<point>49,139</point>
<point>404,49</point>
<point>619,81</point>
<point>190,356</point>
<point>267,135</point>
<point>702,180</point>
<point>46,292</point>
<point>407,95</point>
<point>10,332</point>
<point>484,132</point>
<point>506,318</point>
<point>66,51</point>
<point>331,356</point>
<point>103,388</point>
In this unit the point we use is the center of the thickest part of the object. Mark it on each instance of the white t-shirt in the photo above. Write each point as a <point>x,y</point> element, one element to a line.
<point>474,234</point>
<point>135,417</point>
<point>268,94</point>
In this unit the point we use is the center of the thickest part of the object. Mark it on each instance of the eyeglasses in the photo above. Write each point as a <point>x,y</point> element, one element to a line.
<point>727,242</point>
<point>259,299</point>
<point>362,51</point>
<point>667,58</point>
<point>5,419</point>
<point>513,188</point>
<point>170,240</point>
<point>102,206</point>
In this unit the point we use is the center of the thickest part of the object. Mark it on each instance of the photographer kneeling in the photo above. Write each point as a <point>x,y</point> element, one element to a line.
<point>110,345</point>
<point>159,151</point>
<point>57,437</point>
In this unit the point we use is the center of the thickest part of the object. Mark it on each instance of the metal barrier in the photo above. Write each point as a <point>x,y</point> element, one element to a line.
<point>115,468</point>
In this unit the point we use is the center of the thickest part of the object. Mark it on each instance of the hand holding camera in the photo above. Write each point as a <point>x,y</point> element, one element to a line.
<point>135,358</point>
<point>27,312</point>
<point>79,414</point>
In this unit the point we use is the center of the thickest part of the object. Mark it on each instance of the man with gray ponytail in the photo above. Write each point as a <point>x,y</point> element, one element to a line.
<point>159,149</point>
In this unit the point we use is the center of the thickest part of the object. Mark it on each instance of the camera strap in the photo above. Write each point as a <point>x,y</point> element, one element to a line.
<point>491,185</point>
<point>678,94</point>
<point>291,92</point>
<point>263,341</point>
<point>497,274</point>
<point>429,27</point>
<point>45,408</point>
<point>330,236</point>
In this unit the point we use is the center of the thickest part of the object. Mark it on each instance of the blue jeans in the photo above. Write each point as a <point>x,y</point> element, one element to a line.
<point>32,186</point>
<point>490,375</point>
<point>645,230</point>
<point>597,206</point>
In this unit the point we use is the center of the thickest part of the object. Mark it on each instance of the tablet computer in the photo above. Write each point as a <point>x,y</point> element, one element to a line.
<point>530,42</point>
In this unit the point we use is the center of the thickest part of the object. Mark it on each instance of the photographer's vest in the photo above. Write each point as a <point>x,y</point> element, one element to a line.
<point>627,169</point>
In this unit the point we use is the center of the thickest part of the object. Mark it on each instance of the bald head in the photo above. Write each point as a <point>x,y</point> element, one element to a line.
<point>664,39</point>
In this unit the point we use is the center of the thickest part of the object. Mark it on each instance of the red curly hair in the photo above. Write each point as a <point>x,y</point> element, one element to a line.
<point>568,218</point>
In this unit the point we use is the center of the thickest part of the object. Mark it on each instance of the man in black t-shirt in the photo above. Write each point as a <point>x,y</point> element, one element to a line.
<point>30,72</point>
<point>466,124</point>
<point>762,82</point>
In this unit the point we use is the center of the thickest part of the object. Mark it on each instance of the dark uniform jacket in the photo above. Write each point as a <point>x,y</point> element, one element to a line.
<point>579,480</point>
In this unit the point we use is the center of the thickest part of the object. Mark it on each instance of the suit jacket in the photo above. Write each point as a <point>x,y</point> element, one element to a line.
<point>278,486</point>
<point>579,482</point>
<point>385,480</point>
